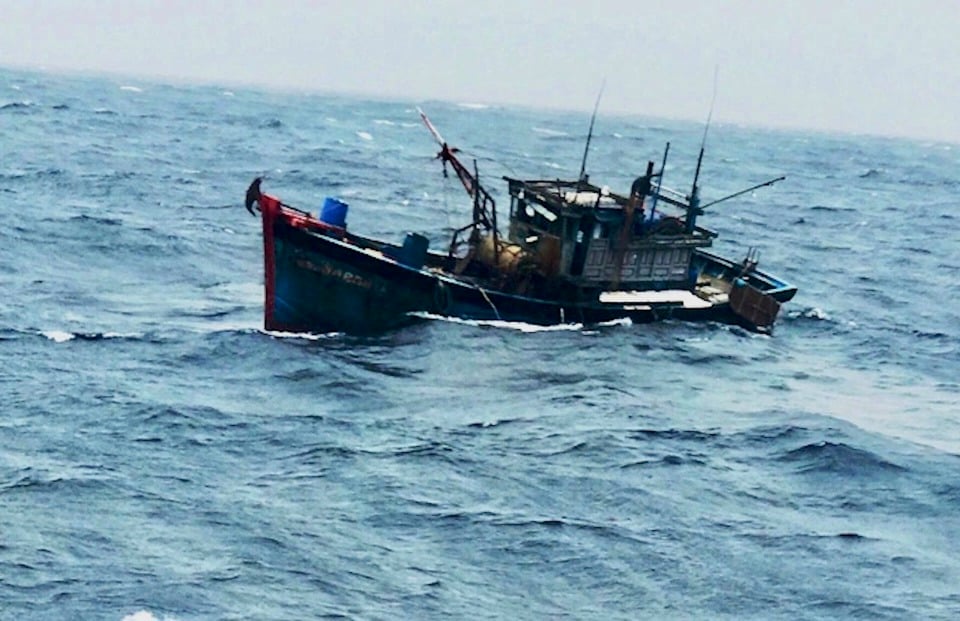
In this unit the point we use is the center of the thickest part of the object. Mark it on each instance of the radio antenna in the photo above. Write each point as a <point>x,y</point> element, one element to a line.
<point>706,128</point>
<point>586,149</point>
<point>693,202</point>
<point>713,101</point>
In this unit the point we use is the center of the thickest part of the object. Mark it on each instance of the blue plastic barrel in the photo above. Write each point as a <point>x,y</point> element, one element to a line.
<point>414,251</point>
<point>334,212</point>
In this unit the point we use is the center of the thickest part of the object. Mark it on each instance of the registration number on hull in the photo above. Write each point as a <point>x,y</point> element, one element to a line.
<point>330,271</point>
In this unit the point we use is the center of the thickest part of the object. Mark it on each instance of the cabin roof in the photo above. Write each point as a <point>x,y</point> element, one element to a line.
<point>578,197</point>
<point>561,195</point>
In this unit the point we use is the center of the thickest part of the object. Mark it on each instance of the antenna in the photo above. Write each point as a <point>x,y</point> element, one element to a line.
<point>586,149</point>
<point>706,128</point>
<point>713,100</point>
<point>693,207</point>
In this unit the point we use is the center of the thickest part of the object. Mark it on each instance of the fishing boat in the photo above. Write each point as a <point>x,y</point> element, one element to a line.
<point>573,252</point>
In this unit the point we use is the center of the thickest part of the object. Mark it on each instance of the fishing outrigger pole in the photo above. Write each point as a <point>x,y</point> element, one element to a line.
<point>750,189</point>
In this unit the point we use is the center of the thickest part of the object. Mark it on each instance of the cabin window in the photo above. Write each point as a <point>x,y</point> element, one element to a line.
<point>601,230</point>
<point>517,208</point>
<point>524,211</point>
<point>536,215</point>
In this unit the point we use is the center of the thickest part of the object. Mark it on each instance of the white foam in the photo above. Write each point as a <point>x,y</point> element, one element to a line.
<point>145,615</point>
<point>519,326</point>
<point>811,313</point>
<point>548,132</point>
<point>307,336</point>
<point>365,135</point>
<point>59,336</point>
<point>230,326</point>
<point>121,335</point>
<point>132,89</point>
<point>473,106</point>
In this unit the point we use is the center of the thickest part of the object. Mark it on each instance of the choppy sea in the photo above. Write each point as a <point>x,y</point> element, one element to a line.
<point>164,458</point>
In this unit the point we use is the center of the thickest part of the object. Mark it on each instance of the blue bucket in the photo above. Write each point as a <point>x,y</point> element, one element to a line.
<point>334,212</point>
<point>414,250</point>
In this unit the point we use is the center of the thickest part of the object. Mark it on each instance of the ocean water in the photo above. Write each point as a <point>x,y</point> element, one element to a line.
<point>164,458</point>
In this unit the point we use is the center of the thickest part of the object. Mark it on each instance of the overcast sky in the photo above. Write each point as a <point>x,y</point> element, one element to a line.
<point>888,67</point>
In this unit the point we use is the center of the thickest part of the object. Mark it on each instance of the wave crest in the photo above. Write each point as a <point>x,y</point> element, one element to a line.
<point>838,458</point>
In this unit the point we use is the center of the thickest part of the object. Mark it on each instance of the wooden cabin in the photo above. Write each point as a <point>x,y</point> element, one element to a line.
<point>587,235</point>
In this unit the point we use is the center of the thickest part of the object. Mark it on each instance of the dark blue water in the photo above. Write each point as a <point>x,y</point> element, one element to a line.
<point>161,457</point>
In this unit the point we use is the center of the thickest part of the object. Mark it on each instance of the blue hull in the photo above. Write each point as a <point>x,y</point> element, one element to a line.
<point>322,283</point>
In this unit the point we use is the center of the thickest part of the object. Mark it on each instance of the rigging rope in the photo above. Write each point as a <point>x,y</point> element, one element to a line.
<point>490,302</point>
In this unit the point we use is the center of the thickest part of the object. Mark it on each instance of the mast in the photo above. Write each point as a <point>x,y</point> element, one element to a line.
<point>448,154</point>
<point>693,201</point>
<point>484,207</point>
<point>656,195</point>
